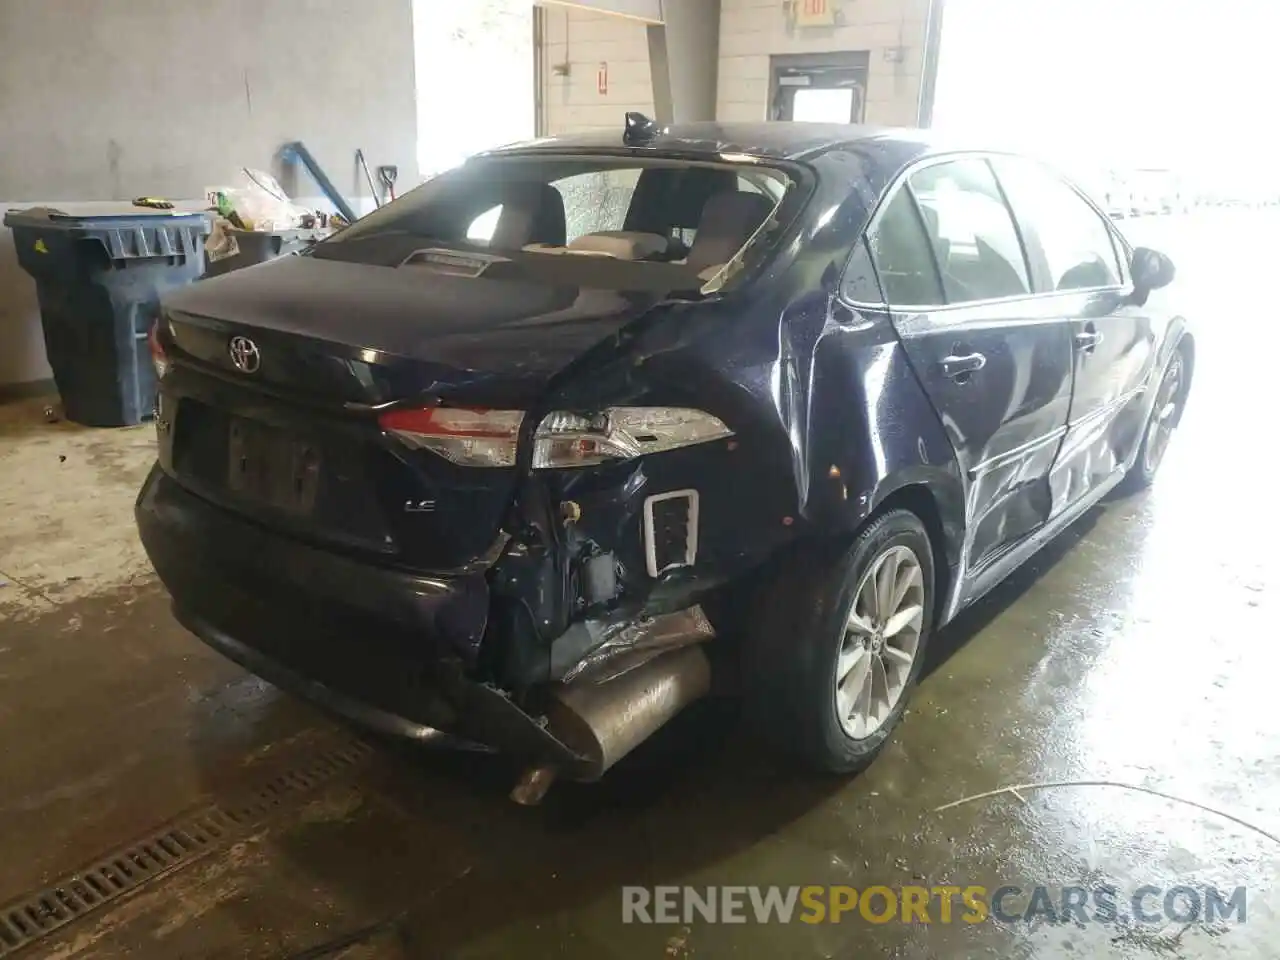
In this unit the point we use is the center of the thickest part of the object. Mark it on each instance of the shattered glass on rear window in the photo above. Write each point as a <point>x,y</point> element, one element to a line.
<point>594,202</point>
<point>603,220</point>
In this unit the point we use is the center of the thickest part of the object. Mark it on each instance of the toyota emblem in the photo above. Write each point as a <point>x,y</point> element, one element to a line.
<point>244,354</point>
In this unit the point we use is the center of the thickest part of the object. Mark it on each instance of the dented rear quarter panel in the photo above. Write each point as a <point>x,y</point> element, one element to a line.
<point>829,419</point>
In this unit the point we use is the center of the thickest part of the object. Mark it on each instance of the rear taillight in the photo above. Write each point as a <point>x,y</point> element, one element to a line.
<point>620,433</point>
<point>467,437</point>
<point>488,438</point>
<point>159,359</point>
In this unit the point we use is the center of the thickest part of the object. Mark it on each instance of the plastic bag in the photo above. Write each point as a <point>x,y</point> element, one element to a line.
<point>262,204</point>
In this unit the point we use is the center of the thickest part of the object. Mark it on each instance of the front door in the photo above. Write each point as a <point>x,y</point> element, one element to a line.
<point>1075,253</point>
<point>822,88</point>
<point>994,359</point>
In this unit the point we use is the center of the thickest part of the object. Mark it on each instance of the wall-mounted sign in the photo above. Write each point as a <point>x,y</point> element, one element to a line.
<point>602,78</point>
<point>814,13</point>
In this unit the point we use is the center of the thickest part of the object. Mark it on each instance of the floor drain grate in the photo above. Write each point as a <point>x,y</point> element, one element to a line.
<point>35,916</point>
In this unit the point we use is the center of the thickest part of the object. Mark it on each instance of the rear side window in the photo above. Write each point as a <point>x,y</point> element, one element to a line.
<point>859,284</point>
<point>1076,243</point>
<point>900,250</point>
<point>972,232</point>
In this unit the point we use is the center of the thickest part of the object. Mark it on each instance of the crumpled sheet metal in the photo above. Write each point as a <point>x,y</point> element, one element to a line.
<point>627,646</point>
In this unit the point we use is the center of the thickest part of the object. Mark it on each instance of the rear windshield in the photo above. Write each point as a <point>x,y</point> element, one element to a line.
<point>611,221</point>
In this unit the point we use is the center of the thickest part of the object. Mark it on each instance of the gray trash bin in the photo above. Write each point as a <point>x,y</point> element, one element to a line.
<point>99,276</point>
<point>259,246</point>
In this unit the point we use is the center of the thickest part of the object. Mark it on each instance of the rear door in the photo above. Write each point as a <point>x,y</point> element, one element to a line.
<point>1077,257</point>
<point>995,363</point>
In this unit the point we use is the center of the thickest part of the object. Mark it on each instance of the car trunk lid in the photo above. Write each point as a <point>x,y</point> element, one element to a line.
<point>335,332</point>
<point>292,436</point>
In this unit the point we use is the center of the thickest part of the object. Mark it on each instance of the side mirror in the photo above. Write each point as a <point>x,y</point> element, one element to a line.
<point>1150,270</point>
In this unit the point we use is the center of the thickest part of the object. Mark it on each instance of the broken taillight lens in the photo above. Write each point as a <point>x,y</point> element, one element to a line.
<point>159,359</point>
<point>620,433</point>
<point>488,438</point>
<point>465,436</point>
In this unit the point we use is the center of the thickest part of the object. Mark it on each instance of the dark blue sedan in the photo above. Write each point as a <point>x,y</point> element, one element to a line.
<point>532,455</point>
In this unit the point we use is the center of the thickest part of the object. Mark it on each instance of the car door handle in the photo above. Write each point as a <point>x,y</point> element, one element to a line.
<point>1086,340</point>
<point>956,366</point>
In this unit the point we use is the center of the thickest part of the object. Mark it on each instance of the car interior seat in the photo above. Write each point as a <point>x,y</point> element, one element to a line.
<point>669,198</point>
<point>728,220</point>
<point>531,213</point>
<point>989,275</point>
<point>906,272</point>
<point>932,226</point>
<point>954,286</point>
<point>1000,278</point>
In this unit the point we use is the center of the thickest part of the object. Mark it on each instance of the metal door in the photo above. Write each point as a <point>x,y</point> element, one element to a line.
<point>828,87</point>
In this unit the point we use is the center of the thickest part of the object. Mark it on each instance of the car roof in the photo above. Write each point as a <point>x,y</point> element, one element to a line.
<point>775,140</point>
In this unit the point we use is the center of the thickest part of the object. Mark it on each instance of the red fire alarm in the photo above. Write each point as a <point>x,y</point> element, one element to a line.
<point>602,78</point>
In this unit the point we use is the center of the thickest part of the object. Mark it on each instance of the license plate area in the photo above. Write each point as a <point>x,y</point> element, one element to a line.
<point>272,466</point>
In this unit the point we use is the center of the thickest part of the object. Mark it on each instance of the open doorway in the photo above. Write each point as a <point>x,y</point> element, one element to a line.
<point>464,108</point>
<point>819,87</point>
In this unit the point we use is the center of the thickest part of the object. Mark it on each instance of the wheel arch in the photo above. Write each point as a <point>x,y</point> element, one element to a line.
<point>937,505</point>
<point>922,500</point>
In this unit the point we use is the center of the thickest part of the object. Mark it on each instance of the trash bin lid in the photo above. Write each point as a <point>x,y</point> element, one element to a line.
<point>71,216</point>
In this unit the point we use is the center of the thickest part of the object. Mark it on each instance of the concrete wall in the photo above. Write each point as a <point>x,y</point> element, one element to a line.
<point>578,41</point>
<point>692,39</point>
<point>112,99</point>
<point>892,31</point>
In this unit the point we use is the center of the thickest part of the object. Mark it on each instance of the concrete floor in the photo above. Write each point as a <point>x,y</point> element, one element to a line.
<point>1139,648</point>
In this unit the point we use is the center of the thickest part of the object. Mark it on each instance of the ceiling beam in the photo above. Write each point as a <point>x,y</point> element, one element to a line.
<point>646,11</point>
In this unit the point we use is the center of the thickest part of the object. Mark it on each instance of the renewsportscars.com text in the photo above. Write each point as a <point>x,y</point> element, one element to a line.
<point>1009,904</point>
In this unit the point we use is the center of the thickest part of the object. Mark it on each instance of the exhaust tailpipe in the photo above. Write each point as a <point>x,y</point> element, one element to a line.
<point>604,721</point>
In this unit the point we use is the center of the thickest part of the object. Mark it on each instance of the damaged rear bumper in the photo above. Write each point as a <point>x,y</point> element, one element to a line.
<point>449,710</point>
<point>372,644</point>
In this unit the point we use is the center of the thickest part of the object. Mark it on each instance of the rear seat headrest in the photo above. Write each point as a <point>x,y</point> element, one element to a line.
<point>728,221</point>
<point>531,213</point>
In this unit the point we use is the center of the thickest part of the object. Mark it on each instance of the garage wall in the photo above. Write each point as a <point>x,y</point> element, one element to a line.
<point>892,31</point>
<point>576,43</point>
<point>113,99</point>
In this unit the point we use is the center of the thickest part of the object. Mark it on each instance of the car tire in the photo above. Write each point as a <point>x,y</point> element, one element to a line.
<point>824,675</point>
<point>1161,422</point>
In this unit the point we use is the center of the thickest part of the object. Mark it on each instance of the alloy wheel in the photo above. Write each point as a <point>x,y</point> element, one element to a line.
<point>880,642</point>
<point>1163,416</point>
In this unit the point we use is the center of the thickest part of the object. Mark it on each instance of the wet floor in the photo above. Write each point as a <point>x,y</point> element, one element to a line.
<point>1140,649</point>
